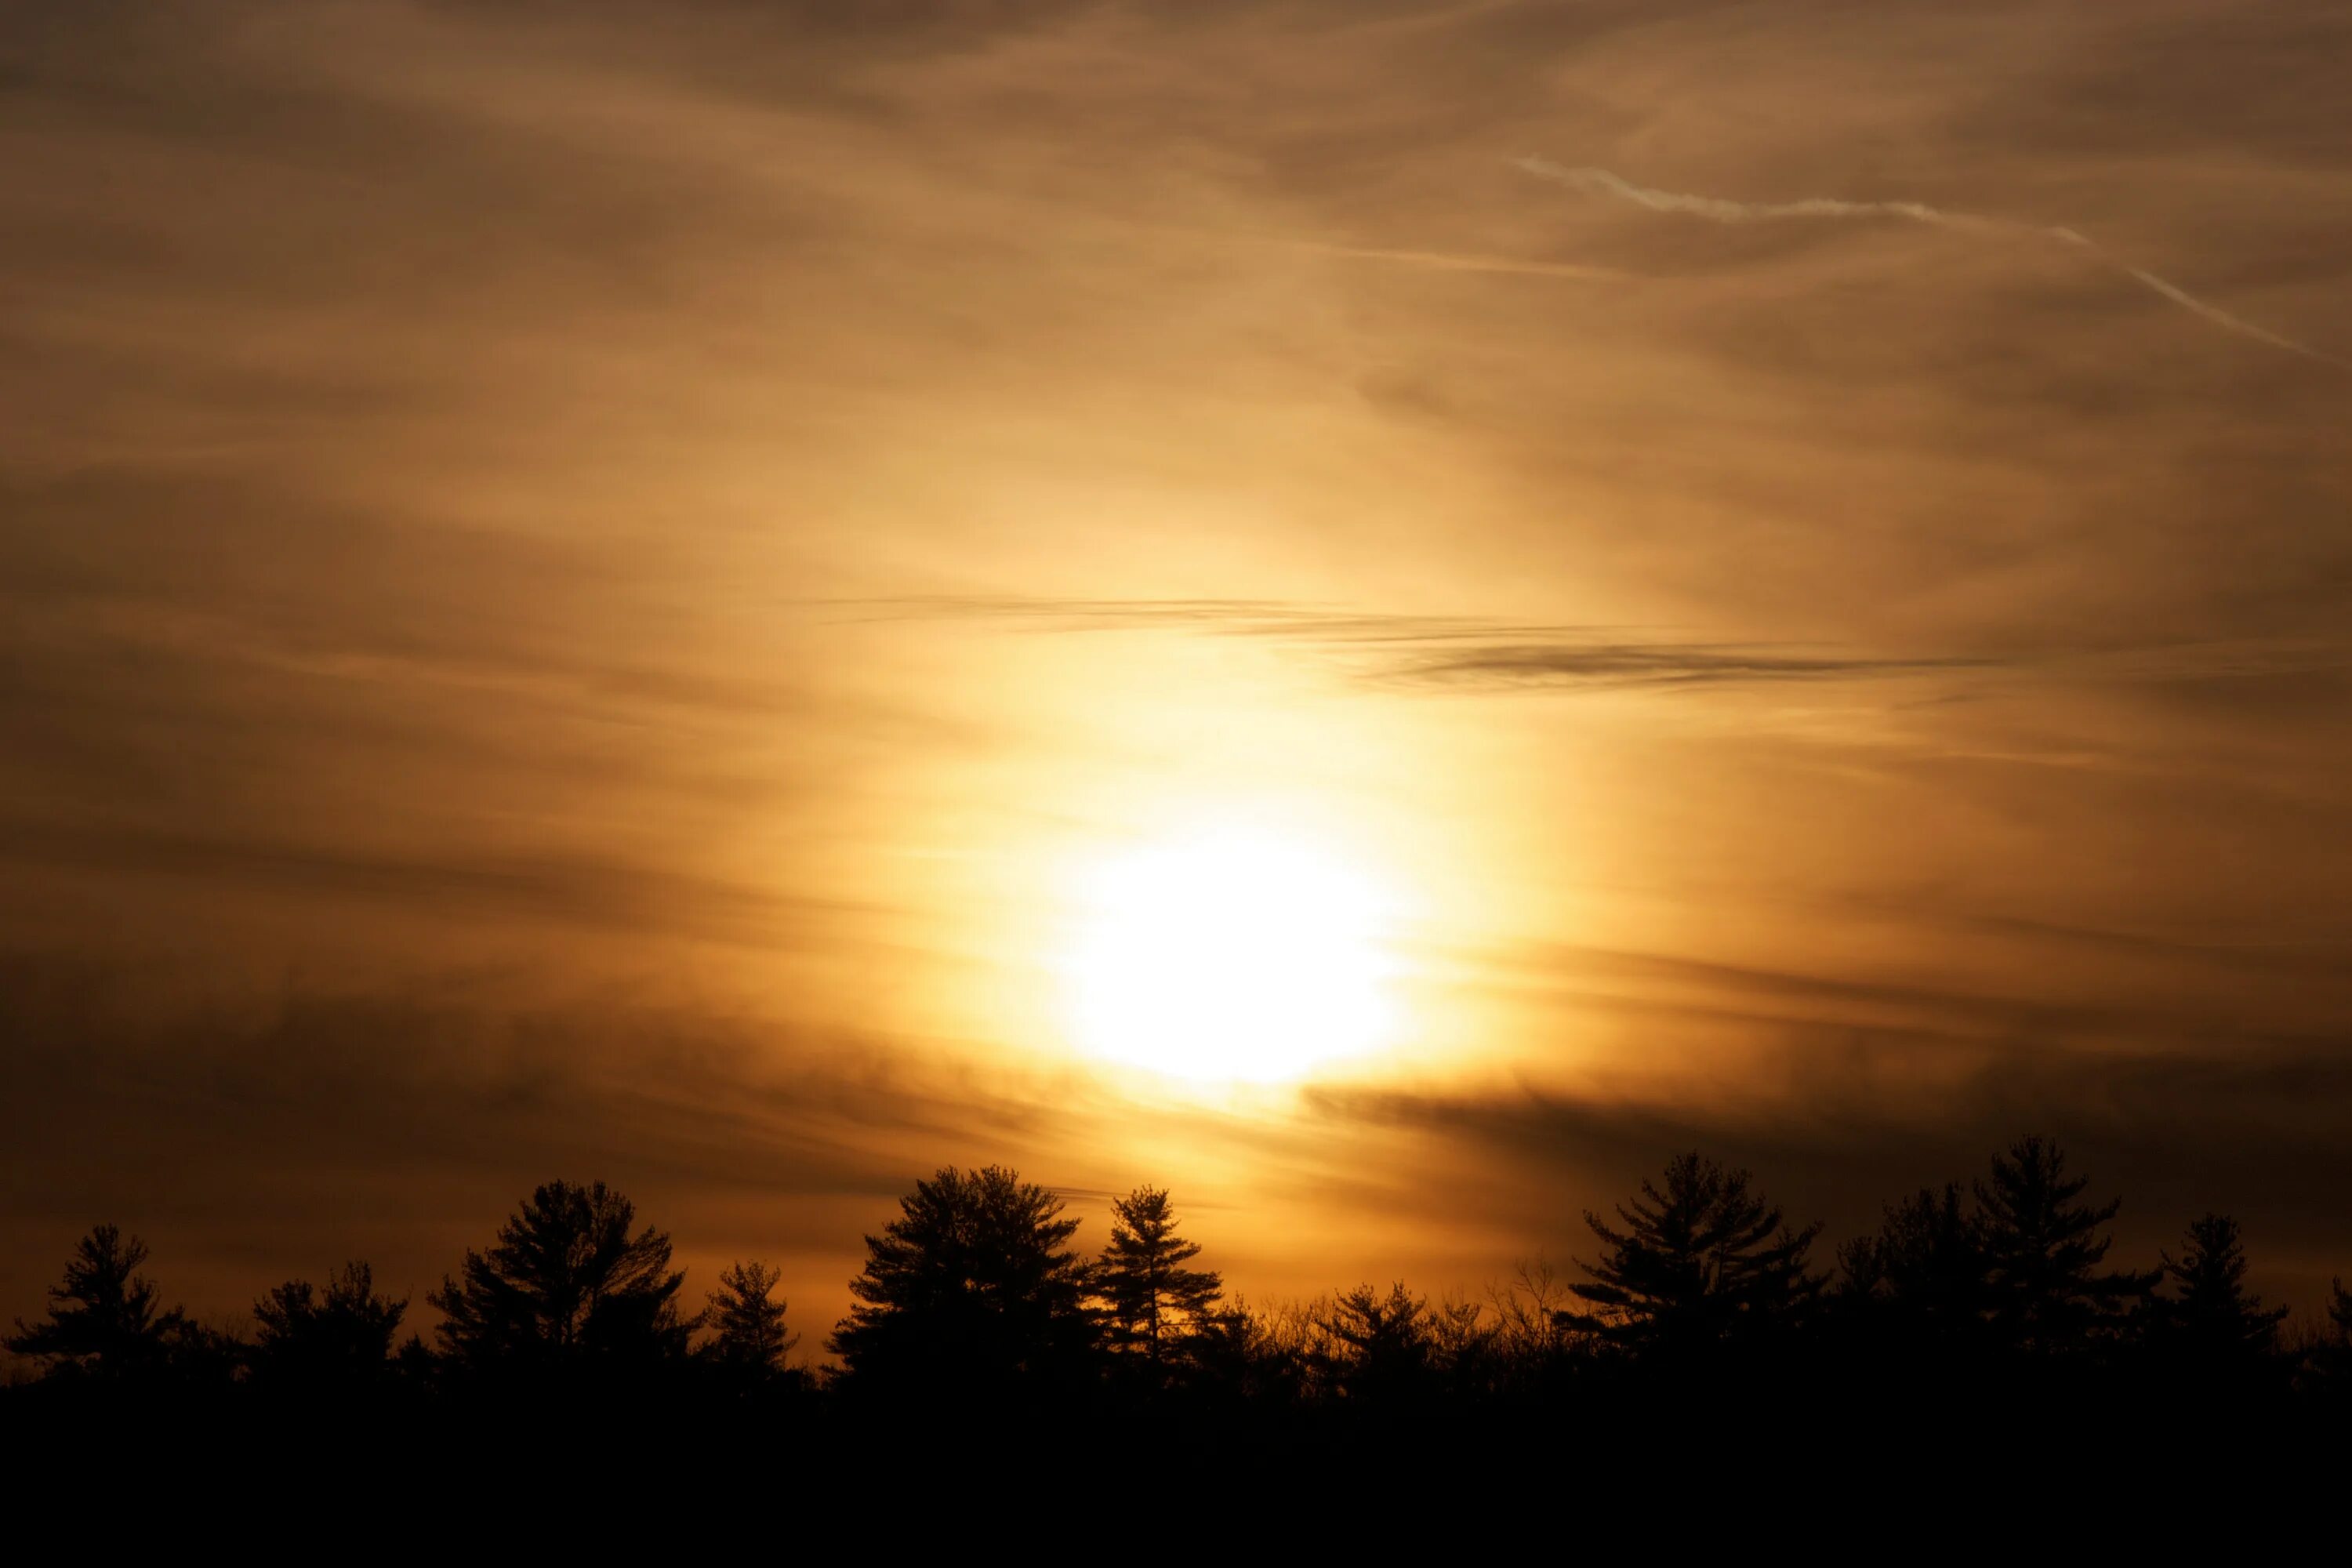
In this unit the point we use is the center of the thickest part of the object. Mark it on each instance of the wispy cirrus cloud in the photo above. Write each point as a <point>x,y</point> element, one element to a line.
<point>1471,654</point>
<point>1463,653</point>
<point>1722,210</point>
<point>1605,664</point>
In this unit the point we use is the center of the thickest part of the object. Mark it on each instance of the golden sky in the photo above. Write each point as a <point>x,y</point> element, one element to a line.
<point>681,594</point>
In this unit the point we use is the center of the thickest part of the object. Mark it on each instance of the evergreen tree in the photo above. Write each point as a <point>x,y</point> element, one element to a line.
<point>198,1356</point>
<point>2210,1319</point>
<point>2043,1251</point>
<point>1152,1301</point>
<point>338,1338</point>
<point>1464,1351</point>
<point>1925,1274</point>
<point>566,1285</point>
<point>1381,1346</point>
<point>1229,1354</point>
<point>970,1292</point>
<point>104,1319</point>
<point>2333,1353</point>
<point>1703,1261</point>
<point>748,1342</point>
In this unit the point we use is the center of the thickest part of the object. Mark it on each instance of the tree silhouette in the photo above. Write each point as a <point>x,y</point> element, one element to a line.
<point>1925,1270</point>
<point>971,1291</point>
<point>1382,1345</point>
<point>335,1339</point>
<point>1703,1261</point>
<point>1464,1351</point>
<point>1531,1311</point>
<point>2043,1251</point>
<point>565,1285</point>
<point>103,1321</point>
<point>2331,1355</point>
<point>748,1342</point>
<point>2210,1320</point>
<point>1150,1299</point>
<point>1949,1316</point>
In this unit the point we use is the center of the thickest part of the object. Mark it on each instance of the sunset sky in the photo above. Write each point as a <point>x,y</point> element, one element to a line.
<point>1379,613</point>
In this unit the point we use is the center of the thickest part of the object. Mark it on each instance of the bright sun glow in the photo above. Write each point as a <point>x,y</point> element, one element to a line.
<point>1230,955</point>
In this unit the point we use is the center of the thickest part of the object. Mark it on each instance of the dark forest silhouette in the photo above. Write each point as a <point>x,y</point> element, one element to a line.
<point>1697,1293</point>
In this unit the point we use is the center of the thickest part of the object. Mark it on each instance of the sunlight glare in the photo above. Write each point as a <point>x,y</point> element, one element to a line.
<point>1236,955</point>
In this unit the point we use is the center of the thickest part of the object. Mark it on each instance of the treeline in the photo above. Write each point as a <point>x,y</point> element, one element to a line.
<point>976,1298</point>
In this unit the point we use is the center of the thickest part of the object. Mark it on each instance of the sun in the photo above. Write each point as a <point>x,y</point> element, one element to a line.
<point>1229,954</point>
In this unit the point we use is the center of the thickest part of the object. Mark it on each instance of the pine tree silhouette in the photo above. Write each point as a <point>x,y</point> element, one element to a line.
<point>1948,1316</point>
<point>2210,1323</point>
<point>335,1339</point>
<point>1464,1351</point>
<point>104,1321</point>
<point>566,1285</point>
<point>1926,1269</point>
<point>970,1293</point>
<point>1152,1301</point>
<point>1702,1262</point>
<point>748,1342</point>
<point>1383,1345</point>
<point>2043,1251</point>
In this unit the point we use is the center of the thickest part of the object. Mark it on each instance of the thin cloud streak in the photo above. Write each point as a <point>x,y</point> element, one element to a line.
<point>1454,652</point>
<point>1722,210</point>
<point>1469,653</point>
<point>1656,664</point>
<point>1718,209</point>
<point>1450,261</point>
<point>2222,318</point>
<point>2170,1134</point>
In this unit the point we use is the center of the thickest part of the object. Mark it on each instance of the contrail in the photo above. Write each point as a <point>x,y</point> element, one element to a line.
<point>2222,318</point>
<point>1717,209</point>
